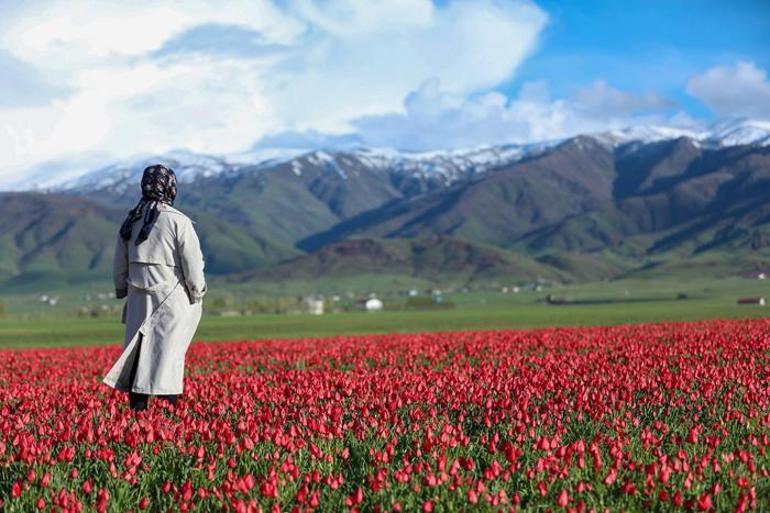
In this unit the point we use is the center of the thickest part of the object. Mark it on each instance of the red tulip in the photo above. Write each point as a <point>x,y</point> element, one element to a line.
<point>563,499</point>
<point>673,410</point>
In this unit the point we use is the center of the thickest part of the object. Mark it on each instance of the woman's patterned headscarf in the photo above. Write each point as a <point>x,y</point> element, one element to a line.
<point>158,186</point>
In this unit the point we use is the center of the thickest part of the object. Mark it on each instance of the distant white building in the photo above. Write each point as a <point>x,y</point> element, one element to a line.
<point>314,305</point>
<point>373,305</point>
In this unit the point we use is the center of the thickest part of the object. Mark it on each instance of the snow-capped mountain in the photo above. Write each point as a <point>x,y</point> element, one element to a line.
<point>450,165</point>
<point>740,132</point>
<point>726,133</point>
<point>447,166</point>
<point>618,193</point>
<point>645,134</point>
<point>188,167</point>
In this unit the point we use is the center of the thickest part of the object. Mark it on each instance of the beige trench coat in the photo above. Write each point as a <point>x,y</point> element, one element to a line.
<point>163,283</point>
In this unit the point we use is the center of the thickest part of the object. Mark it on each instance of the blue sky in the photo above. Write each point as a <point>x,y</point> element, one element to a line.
<point>84,82</point>
<point>639,45</point>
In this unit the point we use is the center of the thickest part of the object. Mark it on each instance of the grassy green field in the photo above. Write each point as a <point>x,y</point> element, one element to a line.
<point>605,303</point>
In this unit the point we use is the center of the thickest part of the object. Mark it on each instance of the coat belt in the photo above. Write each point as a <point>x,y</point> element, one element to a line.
<point>163,285</point>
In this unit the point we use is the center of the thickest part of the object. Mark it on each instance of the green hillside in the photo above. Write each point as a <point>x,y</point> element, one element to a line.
<point>582,210</point>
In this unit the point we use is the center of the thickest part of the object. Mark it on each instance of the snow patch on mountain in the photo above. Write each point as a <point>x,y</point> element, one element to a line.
<point>188,166</point>
<point>119,175</point>
<point>741,132</point>
<point>735,132</point>
<point>447,166</point>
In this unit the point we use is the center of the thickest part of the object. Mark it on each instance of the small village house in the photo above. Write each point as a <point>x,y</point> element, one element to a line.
<point>314,305</point>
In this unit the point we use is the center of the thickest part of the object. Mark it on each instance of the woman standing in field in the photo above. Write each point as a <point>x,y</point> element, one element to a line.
<point>158,267</point>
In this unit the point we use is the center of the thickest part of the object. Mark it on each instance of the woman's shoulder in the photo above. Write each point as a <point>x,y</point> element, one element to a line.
<point>175,215</point>
<point>171,210</point>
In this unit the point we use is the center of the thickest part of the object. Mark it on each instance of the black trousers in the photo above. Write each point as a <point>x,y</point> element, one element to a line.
<point>138,401</point>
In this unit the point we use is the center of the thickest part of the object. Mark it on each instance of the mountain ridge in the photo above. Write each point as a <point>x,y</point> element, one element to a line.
<point>580,208</point>
<point>192,166</point>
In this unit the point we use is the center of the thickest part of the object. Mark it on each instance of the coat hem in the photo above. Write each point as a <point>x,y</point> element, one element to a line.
<point>147,391</point>
<point>157,381</point>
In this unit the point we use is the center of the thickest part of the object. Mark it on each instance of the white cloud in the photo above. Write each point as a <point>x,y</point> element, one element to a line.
<point>373,53</point>
<point>739,90</point>
<point>61,34</point>
<point>23,84</point>
<point>435,118</point>
<point>601,100</point>
<point>352,58</point>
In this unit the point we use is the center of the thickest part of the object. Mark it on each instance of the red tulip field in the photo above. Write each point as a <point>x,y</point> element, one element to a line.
<point>655,417</point>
